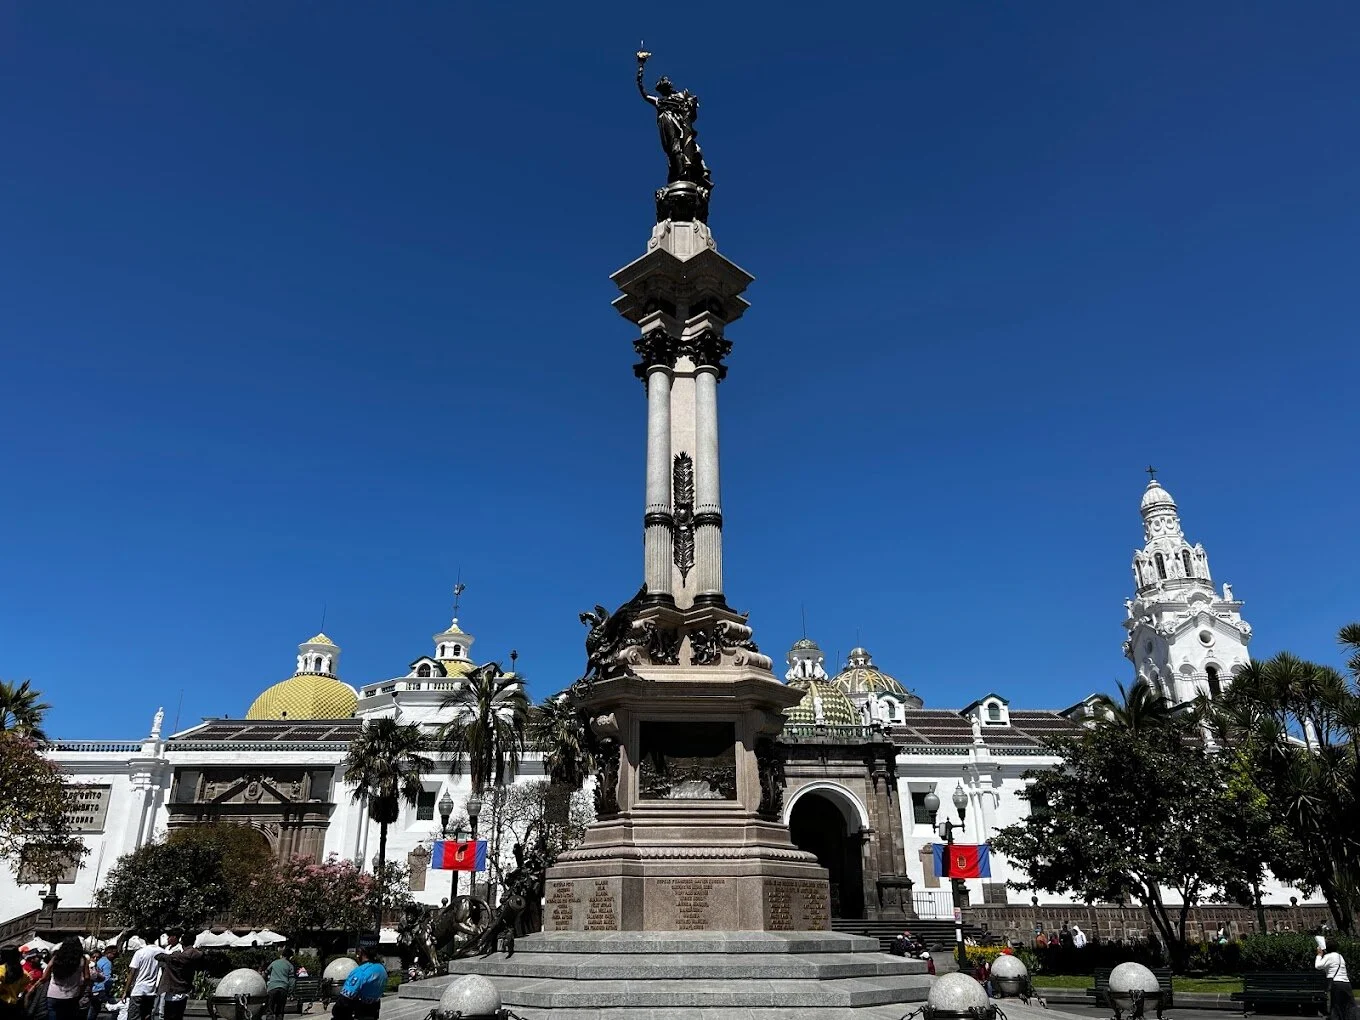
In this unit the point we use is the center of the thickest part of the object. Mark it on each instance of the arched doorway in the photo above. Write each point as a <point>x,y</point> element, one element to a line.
<point>818,825</point>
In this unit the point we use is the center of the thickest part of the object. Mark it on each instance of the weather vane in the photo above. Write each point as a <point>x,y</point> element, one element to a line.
<point>458,590</point>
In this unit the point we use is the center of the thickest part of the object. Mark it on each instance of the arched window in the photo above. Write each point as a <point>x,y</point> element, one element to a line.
<point>1215,685</point>
<point>1185,559</point>
<point>993,712</point>
<point>457,650</point>
<point>1161,566</point>
<point>443,651</point>
<point>423,669</point>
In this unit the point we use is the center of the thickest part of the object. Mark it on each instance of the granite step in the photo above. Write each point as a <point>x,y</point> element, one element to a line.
<point>633,966</point>
<point>547,993</point>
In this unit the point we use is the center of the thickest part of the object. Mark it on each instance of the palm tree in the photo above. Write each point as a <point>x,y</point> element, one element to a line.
<point>558,729</point>
<point>385,764</point>
<point>1140,709</point>
<point>1350,642</point>
<point>486,732</point>
<point>20,710</point>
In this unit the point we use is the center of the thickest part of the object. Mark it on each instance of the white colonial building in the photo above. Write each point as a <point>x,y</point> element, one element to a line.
<point>865,755</point>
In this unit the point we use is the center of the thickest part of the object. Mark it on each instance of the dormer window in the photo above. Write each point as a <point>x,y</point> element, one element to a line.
<point>993,713</point>
<point>423,669</point>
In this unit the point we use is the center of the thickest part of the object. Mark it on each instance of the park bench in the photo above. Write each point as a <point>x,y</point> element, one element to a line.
<point>305,992</point>
<point>1295,989</point>
<point>1101,991</point>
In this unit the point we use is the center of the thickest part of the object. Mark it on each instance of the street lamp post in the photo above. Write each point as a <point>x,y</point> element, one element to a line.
<point>474,810</point>
<point>445,810</point>
<point>947,830</point>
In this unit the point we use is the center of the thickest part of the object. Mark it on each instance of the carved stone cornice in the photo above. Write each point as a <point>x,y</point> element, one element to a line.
<point>657,349</point>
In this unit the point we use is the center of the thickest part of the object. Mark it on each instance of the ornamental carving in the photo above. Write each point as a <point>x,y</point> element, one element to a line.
<point>770,766</point>
<point>609,635</point>
<point>708,347</point>
<point>607,778</point>
<point>663,644</point>
<point>657,349</point>
<point>704,649</point>
<point>682,532</point>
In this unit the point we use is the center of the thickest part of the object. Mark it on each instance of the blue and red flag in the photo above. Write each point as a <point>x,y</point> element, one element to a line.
<point>459,855</point>
<point>963,860</point>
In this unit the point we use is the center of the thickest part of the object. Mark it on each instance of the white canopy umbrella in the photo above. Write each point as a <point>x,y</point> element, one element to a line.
<point>250,938</point>
<point>223,941</point>
<point>205,939</point>
<point>269,938</point>
<point>37,942</point>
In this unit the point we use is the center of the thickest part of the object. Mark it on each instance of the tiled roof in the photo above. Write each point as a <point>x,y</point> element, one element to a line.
<point>943,727</point>
<point>280,731</point>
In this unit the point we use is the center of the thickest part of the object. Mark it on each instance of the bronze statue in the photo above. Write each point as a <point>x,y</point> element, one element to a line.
<point>676,112</point>
<point>609,634</point>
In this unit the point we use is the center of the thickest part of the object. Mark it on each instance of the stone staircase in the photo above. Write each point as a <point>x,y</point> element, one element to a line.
<point>935,934</point>
<point>618,975</point>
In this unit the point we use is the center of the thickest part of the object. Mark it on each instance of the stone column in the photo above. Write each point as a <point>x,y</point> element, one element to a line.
<point>658,522</point>
<point>707,500</point>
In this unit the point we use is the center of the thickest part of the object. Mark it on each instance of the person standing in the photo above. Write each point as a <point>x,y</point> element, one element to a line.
<point>67,976</point>
<point>1078,937</point>
<point>143,978</point>
<point>280,982</point>
<point>178,966</point>
<point>101,987</point>
<point>14,982</point>
<point>1333,965</point>
<point>361,995</point>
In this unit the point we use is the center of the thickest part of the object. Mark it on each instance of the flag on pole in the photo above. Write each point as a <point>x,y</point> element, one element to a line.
<point>963,860</point>
<point>459,855</point>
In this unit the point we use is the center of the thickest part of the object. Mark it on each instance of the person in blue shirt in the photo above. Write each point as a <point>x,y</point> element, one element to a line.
<point>102,984</point>
<point>362,991</point>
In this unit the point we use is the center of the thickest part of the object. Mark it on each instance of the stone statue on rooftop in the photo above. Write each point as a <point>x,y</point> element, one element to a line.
<point>676,112</point>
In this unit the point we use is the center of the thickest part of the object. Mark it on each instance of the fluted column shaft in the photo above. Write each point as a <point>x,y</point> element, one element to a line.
<point>657,520</point>
<point>707,499</point>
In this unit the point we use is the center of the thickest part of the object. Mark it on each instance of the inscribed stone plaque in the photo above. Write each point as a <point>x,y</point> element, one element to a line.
<point>793,904</point>
<point>560,906</point>
<point>687,761</point>
<point>602,912</point>
<point>694,906</point>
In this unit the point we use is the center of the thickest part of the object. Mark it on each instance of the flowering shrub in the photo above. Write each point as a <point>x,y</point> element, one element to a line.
<point>303,894</point>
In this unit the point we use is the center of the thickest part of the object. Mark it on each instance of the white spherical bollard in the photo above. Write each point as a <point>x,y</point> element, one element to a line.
<point>338,969</point>
<point>242,981</point>
<point>471,996</point>
<point>955,994</point>
<point>1132,983</point>
<point>238,996</point>
<point>1009,975</point>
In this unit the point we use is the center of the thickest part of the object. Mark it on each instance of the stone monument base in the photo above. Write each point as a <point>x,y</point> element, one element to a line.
<point>709,975</point>
<point>687,895</point>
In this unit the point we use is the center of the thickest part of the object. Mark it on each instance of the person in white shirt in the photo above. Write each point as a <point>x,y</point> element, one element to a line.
<point>1333,966</point>
<point>1078,937</point>
<point>144,976</point>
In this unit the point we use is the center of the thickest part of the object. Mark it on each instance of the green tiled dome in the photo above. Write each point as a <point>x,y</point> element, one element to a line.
<point>836,708</point>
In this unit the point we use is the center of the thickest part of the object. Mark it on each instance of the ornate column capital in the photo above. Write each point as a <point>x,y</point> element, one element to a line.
<point>707,349</point>
<point>657,349</point>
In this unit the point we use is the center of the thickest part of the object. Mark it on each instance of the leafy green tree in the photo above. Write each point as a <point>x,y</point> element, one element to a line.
<point>1128,813</point>
<point>21,711</point>
<point>557,727</point>
<point>1296,727</point>
<point>164,884</point>
<point>486,734</point>
<point>1140,709</point>
<point>245,853</point>
<point>385,763</point>
<point>35,799</point>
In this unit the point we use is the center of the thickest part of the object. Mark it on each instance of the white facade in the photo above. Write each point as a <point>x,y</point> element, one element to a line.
<point>1185,639</point>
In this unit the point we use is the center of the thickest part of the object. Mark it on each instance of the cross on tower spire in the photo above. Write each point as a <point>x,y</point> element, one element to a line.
<point>1152,472</point>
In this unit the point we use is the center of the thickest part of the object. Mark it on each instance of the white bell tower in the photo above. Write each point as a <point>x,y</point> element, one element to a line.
<point>1184,639</point>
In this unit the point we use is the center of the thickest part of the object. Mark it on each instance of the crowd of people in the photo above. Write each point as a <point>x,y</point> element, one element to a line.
<point>69,983</point>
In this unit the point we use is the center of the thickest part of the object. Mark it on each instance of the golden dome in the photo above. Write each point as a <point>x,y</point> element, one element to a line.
<point>321,639</point>
<point>306,696</point>
<point>836,708</point>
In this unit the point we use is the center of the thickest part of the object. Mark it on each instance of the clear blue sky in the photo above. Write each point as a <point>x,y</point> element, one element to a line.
<point>308,304</point>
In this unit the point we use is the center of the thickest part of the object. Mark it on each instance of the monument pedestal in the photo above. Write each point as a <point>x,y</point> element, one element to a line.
<point>689,835</point>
